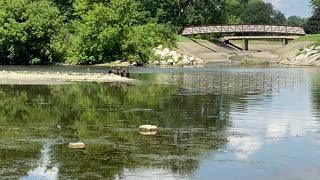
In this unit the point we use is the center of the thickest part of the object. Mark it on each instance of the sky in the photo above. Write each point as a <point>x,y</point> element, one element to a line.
<point>292,7</point>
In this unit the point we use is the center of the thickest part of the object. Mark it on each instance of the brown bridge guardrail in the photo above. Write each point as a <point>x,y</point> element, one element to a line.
<point>211,29</point>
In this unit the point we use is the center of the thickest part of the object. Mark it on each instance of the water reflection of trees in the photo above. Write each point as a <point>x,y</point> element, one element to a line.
<point>106,118</point>
<point>316,95</point>
<point>192,118</point>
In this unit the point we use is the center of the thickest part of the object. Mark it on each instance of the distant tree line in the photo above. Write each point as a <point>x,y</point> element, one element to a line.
<point>312,25</point>
<point>99,31</point>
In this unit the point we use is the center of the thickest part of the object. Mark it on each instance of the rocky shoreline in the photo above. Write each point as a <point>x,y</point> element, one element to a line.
<point>28,77</point>
<point>295,54</point>
<point>167,57</point>
<point>309,56</point>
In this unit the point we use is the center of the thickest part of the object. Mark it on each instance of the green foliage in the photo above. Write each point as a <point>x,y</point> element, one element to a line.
<point>66,8</point>
<point>295,21</point>
<point>142,39</point>
<point>26,30</point>
<point>99,31</point>
<point>312,26</point>
<point>108,31</point>
<point>232,10</point>
<point>180,13</point>
<point>309,37</point>
<point>278,18</point>
<point>259,12</point>
<point>315,4</point>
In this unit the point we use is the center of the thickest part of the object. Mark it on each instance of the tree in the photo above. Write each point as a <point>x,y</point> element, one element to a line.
<point>114,30</point>
<point>180,13</point>
<point>278,18</point>
<point>26,30</point>
<point>295,21</point>
<point>101,30</point>
<point>142,39</point>
<point>312,26</point>
<point>232,10</point>
<point>315,4</point>
<point>257,12</point>
<point>66,8</point>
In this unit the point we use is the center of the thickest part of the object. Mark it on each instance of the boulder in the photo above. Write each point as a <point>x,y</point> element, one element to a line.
<point>146,128</point>
<point>170,61</point>
<point>134,63</point>
<point>310,53</point>
<point>77,145</point>
<point>176,58</point>
<point>163,63</point>
<point>199,61</point>
<point>185,61</point>
<point>156,62</point>
<point>148,133</point>
<point>166,50</point>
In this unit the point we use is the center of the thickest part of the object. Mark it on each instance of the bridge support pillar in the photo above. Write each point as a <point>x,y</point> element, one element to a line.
<point>284,41</point>
<point>245,44</point>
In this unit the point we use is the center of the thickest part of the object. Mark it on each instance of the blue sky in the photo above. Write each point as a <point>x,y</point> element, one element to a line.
<point>292,7</point>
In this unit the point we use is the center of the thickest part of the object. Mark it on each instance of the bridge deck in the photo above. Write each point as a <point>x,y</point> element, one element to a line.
<point>211,29</point>
<point>227,38</point>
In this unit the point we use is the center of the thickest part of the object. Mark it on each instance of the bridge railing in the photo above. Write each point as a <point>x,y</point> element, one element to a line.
<point>210,29</point>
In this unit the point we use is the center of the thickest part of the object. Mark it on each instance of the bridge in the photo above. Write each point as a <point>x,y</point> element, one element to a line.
<point>288,32</point>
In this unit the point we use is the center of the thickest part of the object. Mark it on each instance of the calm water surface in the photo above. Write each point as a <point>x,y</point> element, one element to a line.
<point>215,122</point>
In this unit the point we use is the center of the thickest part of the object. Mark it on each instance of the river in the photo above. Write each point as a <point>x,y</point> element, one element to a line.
<point>214,122</point>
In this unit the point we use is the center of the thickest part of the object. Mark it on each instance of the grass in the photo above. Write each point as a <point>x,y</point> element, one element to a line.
<point>183,38</point>
<point>187,39</point>
<point>309,37</point>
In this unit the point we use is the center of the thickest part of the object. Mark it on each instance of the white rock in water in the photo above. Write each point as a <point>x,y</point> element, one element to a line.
<point>148,133</point>
<point>148,128</point>
<point>77,145</point>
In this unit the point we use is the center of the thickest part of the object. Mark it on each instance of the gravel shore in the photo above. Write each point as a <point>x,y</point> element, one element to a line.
<point>26,77</point>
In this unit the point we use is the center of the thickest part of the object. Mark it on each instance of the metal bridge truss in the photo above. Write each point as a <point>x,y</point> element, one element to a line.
<point>243,29</point>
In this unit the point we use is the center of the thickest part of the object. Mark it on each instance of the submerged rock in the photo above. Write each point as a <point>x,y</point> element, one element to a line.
<point>148,128</point>
<point>148,133</point>
<point>77,145</point>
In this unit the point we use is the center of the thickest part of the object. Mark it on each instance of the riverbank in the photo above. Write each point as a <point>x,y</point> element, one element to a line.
<point>272,52</point>
<point>52,78</point>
